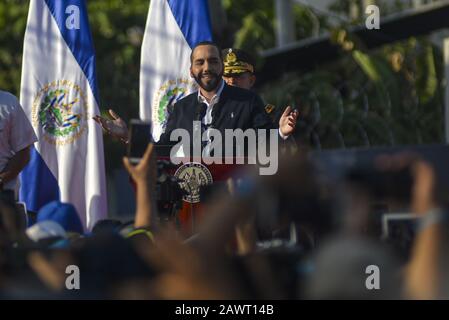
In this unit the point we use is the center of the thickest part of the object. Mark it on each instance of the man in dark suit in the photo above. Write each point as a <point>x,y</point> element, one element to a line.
<point>218,105</point>
<point>215,104</point>
<point>236,108</point>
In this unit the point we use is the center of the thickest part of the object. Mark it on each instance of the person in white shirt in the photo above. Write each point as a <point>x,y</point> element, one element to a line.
<point>16,137</point>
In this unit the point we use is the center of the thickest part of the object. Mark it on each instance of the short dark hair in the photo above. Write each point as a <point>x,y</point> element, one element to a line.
<point>206,43</point>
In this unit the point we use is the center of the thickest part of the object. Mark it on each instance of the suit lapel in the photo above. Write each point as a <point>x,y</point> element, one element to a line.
<point>217,112</point>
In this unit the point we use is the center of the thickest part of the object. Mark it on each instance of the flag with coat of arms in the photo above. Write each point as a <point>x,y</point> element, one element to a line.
<point>59,94</point>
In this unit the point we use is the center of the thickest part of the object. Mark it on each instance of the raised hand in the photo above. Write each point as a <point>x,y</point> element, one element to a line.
<point>116,127</point>
<point>145,171</point>
<point>424,179</point>
<point>145,175</point>
<point>287,123</point>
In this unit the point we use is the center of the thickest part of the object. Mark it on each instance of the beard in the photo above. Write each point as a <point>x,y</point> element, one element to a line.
<point>209,84</point>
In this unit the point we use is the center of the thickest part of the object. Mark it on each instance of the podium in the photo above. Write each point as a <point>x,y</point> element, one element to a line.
<point>194,178</point>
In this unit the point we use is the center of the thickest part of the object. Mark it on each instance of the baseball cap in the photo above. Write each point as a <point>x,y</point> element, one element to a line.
<point>63,213</point>
<point>45,230</point>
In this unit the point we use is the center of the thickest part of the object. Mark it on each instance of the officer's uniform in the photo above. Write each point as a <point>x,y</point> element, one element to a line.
<point>236,62</point>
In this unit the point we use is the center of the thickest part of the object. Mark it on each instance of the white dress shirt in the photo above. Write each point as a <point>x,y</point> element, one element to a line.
<point>207,119</point>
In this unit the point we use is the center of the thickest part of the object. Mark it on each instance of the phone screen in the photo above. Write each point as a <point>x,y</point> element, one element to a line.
<point>399,230</point>
<point>140,133</point>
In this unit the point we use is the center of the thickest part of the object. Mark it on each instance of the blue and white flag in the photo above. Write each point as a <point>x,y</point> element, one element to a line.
<point>59,95</point>
<point>173,28</point>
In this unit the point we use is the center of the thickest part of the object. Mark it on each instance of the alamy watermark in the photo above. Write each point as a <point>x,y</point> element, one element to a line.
<point>372,282</point>
<point>373,17</point>
<point>262,147</point>
<point>72,282</point>
<point>73,20</point>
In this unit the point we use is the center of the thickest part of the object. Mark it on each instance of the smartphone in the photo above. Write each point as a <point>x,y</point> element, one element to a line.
<point>399,230</point>
<point>395,225</point>
<point>140,133</point>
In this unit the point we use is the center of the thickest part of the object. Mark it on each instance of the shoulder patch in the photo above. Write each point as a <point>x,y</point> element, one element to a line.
<point>269,108</point>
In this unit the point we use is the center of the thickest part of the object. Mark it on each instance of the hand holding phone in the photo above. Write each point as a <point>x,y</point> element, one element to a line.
<point>140,137</point>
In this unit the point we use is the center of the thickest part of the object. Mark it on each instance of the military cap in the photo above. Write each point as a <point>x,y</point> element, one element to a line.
<point>237,61</point>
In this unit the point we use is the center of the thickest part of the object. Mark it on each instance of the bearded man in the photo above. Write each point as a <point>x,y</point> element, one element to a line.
<point>216,104</point>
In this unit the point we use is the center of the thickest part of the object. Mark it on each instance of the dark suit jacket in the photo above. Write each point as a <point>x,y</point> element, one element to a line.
<point>237,109</point>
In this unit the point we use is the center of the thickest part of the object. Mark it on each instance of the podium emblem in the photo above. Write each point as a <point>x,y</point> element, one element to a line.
<point>192,177</point>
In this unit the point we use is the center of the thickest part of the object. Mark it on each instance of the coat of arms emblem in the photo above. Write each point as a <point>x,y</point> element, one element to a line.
<point>193,176</point>
<point>60,112</point>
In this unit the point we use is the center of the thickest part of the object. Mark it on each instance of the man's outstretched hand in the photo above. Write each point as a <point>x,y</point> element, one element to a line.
<point>287,123</point>
<point>116,127</point>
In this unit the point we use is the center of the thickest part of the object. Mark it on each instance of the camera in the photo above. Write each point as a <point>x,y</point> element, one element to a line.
<point>168,192</point>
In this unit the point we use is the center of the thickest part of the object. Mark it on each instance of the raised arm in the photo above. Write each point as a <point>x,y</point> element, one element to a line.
<point>145,175</point>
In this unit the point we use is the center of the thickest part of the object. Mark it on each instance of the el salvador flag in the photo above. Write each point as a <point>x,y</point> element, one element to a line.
<point>173,28</point>
<point>59,95</point>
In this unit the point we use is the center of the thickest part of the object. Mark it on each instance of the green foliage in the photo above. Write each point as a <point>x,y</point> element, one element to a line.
<point>117,28</point>
<point>391,96</point>
<point>252,23</point>
<point>13,15</point>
